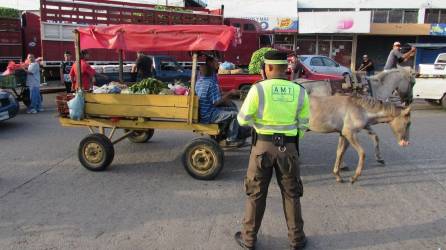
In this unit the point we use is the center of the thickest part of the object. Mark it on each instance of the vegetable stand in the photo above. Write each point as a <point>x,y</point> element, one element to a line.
<point>139,115</point>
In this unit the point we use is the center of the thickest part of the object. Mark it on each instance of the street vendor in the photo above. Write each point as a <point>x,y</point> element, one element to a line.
<point>395,56</point>
<point>87,72</point>
<point>143,66</point>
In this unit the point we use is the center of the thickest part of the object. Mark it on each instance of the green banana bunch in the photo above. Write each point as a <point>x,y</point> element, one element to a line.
<point>148,86</point>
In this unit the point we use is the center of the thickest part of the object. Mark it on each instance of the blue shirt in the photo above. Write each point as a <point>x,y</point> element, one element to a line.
<point>208,93</point>
<point>33,77</point>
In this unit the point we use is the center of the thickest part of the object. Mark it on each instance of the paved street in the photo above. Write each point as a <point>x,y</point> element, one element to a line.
<point>146,200</point>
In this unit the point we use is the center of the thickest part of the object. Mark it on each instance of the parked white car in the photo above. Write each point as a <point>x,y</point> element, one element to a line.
<point>431,82</point>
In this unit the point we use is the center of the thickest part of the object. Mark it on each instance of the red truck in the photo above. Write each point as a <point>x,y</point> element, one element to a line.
<point>50,33</point>
<point>11,47</point>
<point>244,81</point>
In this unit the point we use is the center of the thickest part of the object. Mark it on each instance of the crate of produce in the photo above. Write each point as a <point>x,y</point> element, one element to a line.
<point>8,82</point>
<point>62,104</point>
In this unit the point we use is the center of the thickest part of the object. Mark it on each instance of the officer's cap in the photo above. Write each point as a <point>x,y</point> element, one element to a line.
<point>276,57</point>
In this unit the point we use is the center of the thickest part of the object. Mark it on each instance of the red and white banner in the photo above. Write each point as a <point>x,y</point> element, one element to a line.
<point>334,22</point>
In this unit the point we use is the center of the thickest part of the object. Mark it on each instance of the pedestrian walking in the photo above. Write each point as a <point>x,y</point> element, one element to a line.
<point>278,110</point>
<point>33,83</point>
<point>395,56</point>
<point>65,68</point>
<point>367,66</point>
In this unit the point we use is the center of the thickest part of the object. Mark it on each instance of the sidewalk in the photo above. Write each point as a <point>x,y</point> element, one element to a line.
<point>52,87</point>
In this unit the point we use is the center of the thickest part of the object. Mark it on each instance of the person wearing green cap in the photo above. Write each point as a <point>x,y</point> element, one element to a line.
<point>279,111</point>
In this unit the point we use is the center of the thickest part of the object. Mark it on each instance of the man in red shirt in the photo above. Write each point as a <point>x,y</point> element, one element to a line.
<point>87,72</point>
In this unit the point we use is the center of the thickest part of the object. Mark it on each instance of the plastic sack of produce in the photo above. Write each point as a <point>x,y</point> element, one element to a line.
<point>227,65</point>
<point>76,106</point>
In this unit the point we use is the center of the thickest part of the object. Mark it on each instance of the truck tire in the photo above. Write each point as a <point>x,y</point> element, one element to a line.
<point>203,159</point>
<point>443,102</point>
<point>96,152</point>
<point>141,136</point>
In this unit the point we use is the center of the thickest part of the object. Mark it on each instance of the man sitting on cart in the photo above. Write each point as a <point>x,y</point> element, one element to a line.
<point>212,105</point>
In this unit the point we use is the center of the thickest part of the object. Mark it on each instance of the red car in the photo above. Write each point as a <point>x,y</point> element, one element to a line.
<point>244,81</point>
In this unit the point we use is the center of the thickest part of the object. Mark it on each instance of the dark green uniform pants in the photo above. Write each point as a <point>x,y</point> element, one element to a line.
<point>264,157</point>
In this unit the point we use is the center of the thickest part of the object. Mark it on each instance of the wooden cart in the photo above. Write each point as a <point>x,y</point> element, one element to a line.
<point>140,115</point>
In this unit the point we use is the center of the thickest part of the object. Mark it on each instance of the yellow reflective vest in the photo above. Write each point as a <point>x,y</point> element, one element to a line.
<point>276,106</point>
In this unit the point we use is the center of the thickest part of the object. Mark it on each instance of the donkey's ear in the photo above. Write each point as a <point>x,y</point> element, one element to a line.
<point>406,111</point>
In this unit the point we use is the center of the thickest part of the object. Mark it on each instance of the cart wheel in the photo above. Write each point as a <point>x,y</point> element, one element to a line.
<point>203,159</point>
<point>96,152</point>
<point>141,136</point>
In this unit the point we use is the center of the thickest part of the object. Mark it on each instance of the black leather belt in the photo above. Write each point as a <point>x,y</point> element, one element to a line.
<point>286,139</point>
<point>279,140</point>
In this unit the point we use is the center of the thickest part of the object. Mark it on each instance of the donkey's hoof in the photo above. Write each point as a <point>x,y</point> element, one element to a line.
<point>339,180</point>
<point>353,179</point>
<point>382,162</point>
<point>344,168</point>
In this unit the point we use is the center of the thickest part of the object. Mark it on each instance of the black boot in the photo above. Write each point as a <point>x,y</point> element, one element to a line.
<point>238,238</point>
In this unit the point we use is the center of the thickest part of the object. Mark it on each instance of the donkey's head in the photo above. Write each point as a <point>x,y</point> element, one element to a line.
<point>405,85</point>
<point>400,126</point>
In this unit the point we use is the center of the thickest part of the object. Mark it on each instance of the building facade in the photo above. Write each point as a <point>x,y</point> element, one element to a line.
<point>382,23</point>
<point>390,21</point>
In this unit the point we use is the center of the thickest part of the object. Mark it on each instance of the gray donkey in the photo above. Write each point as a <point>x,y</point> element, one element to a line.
<point>348,115</point>
<point>384,84</point>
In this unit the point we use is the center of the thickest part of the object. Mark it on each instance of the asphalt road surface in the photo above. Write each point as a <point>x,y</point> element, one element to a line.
<point>146,200</point>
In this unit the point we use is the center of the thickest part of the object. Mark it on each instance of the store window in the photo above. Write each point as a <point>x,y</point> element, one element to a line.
<point>442,16</point>
<point>284,41</point>
<point>325,10</point>
<point>306,45</point>
<point>411,16</point>
<point>393,15</point>
<point>432,16</point>
<point>338,48</point>
<point>380,16</point>
<point>341,52</point>
<point>435,16</point>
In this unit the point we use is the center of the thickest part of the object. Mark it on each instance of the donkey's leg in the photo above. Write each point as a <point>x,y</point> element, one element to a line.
<point>375,140</point>
<point>353,139</point>
<point>342,146</point>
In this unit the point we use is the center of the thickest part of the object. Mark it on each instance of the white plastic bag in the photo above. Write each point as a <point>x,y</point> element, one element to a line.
<point>76,106</point>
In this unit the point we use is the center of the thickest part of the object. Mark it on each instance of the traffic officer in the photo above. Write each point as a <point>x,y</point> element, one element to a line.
<point>278,110</point>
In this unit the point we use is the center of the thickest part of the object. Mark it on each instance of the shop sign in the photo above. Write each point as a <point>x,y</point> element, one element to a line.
<point>334,22</point>
<point>278,15</point>
<point>438,29</point>
<point>278,24</point>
